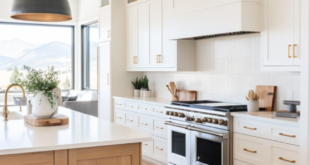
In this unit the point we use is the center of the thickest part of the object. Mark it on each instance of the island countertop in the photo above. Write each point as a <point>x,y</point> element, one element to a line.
<point>82,131</point>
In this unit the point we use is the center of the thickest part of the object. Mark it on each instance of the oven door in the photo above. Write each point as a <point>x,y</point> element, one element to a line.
<point>178,143</point>
<point>209,147</point>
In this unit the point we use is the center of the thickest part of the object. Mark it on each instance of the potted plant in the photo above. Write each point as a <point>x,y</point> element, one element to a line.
<point>46,94</point>
<point>145,87</point>
<point>253,105</point>
<point>137,85</point>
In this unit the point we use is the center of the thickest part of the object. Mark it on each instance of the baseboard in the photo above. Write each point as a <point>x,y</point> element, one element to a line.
<point>151,160</point>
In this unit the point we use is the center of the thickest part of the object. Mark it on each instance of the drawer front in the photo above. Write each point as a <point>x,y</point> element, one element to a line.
<point>132,120</point>
<point>159,127</point>
<point>288,135</point>
<point>284,154</point>
<point>120,117</point>
<point>131,106</point>
<point>160,149</point>
<point>145,124</point>
<point>147,148</point>
<point>237,162</point>
<point>144,108</point>
<point>249,149</point>
<point>250,127</point>
<point>159,111</point>
<point>119,104</point>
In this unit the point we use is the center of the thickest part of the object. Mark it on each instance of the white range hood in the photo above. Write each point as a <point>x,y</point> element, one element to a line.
<point>198,19</point>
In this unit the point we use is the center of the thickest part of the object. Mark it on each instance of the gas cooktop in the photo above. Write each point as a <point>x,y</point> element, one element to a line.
<point>212,105</point>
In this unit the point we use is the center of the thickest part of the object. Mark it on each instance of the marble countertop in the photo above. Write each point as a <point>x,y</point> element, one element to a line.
<point>152,100</point>
<point>267,117</point>
<point>82,131</point>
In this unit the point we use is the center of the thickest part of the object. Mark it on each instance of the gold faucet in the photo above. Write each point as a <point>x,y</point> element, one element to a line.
<point>5,108</point>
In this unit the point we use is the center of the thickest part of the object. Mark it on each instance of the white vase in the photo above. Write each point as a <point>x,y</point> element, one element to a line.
<point>137,93</point>
<point>147,94</point>
<point>41,107</point>
<point>141,93</point>
<point>253,106</point>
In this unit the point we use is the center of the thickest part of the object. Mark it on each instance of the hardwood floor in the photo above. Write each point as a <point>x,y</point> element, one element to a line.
<point>147,163</point>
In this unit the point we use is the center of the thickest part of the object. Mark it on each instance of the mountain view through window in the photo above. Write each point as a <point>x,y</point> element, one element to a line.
<point>36,47</point>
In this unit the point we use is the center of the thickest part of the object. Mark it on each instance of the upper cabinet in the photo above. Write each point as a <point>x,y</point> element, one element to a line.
<point>104,3</point>
<point>146,48</point>
<point>281,35</point>
<point>105,24</point>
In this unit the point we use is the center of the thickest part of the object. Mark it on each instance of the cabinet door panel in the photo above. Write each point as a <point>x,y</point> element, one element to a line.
<point>38,158</point>
<point>122,160</point>
<point>131,33</point>
<point>156,33</point>
<point>105,24</point>
<point>297,61</point>
<point>278,33</point>
<point>143,34</point>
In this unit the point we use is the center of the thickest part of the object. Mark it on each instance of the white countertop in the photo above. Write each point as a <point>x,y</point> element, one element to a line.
<point>82,131</point>
<point>152,100</point>
<point>267,117</point>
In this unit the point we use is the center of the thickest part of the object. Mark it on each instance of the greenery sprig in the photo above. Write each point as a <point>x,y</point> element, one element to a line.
<point>136,83</point>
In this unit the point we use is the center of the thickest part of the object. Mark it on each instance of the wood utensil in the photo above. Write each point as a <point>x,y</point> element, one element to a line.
<point>56,120</point>
<point>266,96</point>
<point>169,88</point>
<point>186,95</point>
<point>252,96</point>
<point>174,91</point>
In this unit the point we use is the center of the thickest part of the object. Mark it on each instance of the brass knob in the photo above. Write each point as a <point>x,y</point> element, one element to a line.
<point>222,122</point>
<point>168,113</point>
<point>181,115</point>
<point>215,121</point>
<point>207,119</point>
<point>176,114</point>
<point>189,119</point>
<point>198,120</point>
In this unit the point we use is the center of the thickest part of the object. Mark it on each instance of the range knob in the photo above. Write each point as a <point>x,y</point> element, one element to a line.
<point>209,120</point>
<point>222,122</point>
<point>198,120</point>
<point>168,113</point>
<point>171,113</point>
<point>176,114</point>
<point>181,115</point>
<point>215,121</point>
<point>189,119</point>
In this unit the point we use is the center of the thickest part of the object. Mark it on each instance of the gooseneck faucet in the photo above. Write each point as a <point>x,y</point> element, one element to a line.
<point>5,108</point>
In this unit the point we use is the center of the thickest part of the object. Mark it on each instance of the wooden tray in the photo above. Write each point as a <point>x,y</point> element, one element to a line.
<point>56,120</point>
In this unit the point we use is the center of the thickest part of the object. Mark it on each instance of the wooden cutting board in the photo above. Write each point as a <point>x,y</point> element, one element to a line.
<point>266,96</point>
<point>56,120</point>
<point>186,95</point>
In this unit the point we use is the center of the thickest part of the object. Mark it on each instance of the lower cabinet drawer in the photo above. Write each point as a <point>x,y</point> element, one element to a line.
<point>120,117</point>
<point>160,148</point>
<point>159,127</point>
<point>145,108</point>
<point>147,148</point>
<point>284,154</point>
<point>145,124</point>
<point>237,162</point>
<point>132,120</point>
<point>159,111</point>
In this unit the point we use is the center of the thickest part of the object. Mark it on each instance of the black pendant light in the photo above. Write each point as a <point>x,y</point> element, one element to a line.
<point>41,10</point>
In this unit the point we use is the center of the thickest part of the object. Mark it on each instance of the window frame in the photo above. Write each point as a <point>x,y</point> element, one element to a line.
<point>84,77</point>
<point>72,51</point>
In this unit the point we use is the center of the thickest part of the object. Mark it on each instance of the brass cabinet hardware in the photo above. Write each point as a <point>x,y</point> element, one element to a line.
<point>292,161</point>
<point>249,128</point>
<point>109,33</point>
<point>294,56</point>
<point>249,151</point>
<point>118,104</point>
<point>118,117</point>
<point>159,148</point>
<point>143,108</point>
<point>159,59</point>
<point>135,59</point>
<point>289,51</point>
<point>159,111</point>
<point>130,120</point>
<point>160,127</point>
<point>292,136</point>
<point>145,144</point>
<point>144,124</point>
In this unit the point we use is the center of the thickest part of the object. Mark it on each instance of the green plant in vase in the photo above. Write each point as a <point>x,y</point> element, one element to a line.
<point>137,85</point>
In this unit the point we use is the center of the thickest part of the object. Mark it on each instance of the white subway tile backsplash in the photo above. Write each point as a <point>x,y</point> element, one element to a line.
<point>227,67</point>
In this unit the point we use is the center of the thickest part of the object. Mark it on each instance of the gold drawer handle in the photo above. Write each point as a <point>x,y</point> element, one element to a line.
<point>118,104</point>
<point>130,106</point>
<point>292,136</point>
<point>159,148</point>
<point>249,128</point>
<point>145,144</point>
<point>249,151</point>
<point>130,120</point>
<point>289,51</point>
<point>119,117</point>
<point>159,111</point>
<point>292,161</point>
<point>143,108</point>
<point>160,127</point>
<point>294,56</point>
<point>143,124</point>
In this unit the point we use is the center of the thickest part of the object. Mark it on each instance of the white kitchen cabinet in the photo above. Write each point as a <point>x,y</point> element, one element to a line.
<point>146,48</point>
<point>105,24</point>
<point>281,35</point>
<point>104,3</point>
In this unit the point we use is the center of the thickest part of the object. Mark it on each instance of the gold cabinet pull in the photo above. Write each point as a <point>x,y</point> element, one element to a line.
<point>118,104</point>
<point>130,120</point>
<point>135,59</point>
<point>145,144</point>
<point>159,59</point>
<point>144,124</point>
<point>292,136</point>
<point>109,33</point>
<point>159,148</point>
<point>159,111</point>
<point>249,151</point>
<point>292,161</point>
<point>249,128</point>
<point>294,56</point>
<point>289,51</point>
<point>143,108</point>
<point>160,127</point>
<point>118,117</point>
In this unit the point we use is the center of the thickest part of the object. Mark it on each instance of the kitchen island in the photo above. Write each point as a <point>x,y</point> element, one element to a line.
<point>85,140</point>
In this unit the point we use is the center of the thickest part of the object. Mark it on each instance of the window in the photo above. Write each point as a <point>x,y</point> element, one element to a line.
<point>38,47</point>
<point>90,37</point>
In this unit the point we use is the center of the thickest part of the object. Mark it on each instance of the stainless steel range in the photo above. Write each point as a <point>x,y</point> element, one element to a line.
<point>199,133</point>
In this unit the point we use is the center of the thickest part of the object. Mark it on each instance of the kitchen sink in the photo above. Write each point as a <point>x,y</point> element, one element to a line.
<point>13,116</point>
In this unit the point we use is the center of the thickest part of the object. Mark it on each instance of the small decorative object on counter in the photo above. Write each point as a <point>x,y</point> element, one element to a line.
<point>291,105</point>
<point>253,105</point>
<point>29,108</point>
<point>146,92</point>
<point>173,91</point>
<point>46,94</point>
<point>137,85</point>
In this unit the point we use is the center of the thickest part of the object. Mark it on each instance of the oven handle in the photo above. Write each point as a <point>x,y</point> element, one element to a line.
<point>176,125</point>
<point>225,136</point>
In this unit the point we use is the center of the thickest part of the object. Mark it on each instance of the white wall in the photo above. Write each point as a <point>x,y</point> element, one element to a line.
<point>227,67</point>
<point>88,9</point>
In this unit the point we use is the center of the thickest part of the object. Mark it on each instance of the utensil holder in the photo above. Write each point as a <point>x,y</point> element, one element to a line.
<point>147,94</point>
<point>253,106</point>
<point>136,93</point>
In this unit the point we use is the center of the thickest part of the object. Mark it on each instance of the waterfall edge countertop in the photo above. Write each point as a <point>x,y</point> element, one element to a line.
<point>83,131</point>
